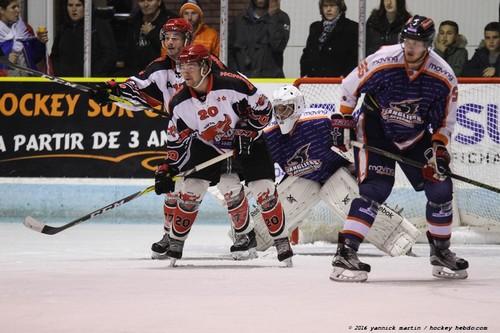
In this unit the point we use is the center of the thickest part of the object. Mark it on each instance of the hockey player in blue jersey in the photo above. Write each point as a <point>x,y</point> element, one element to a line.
<point>300,141</point>
<point>408,109</point>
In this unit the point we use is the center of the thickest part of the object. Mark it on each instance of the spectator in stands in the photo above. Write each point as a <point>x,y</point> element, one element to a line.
<point>258,39</point>
<point>332,45</point>
<point>385,24</point>
<point>486,60</point>
<point>144,36</point>
<point>203,34</point>
<point>450,45</point>
<point>67,50</point>
<point>18,41</point>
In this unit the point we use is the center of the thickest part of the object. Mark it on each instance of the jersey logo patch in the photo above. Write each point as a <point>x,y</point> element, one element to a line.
<point>404,113</point>
<point>300,164</point>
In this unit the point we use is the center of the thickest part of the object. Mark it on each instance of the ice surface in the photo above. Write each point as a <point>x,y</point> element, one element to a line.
<point>99,278</point>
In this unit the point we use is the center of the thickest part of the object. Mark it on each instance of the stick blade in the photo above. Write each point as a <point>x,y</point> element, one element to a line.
<point>33,224</point>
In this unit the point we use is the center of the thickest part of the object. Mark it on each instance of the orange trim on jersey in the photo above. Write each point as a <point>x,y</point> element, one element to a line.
<point>357,219</point>
<point>440,77</point>
<point>417,73</point>
<point>354,233</point>
<point>440,137</point>
<point>375,70</point>
<point>346,109</point>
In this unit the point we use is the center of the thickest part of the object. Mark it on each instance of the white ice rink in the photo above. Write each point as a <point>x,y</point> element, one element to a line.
<point>98,278</point>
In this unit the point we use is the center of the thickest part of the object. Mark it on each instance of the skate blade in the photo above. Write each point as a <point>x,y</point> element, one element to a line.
<point>445,273</point>
<point>288,262</point>
<point>159,256</point>
<point>172,262</point>
<point>340,274</point>
<point>245,255</point>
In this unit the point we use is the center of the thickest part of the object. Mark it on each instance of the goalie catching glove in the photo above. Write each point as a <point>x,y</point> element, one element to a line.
<point>343,131</point>
<point>438,163</point>
<point>164,178</point>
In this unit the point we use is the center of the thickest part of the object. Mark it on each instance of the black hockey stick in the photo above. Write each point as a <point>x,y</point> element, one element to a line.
<point>5,61</point>
<point>420,165</point>
<point>36,225</point>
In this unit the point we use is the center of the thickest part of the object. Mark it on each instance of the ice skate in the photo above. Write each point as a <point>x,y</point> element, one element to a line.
<point>244,247</point>
<point>159,249</point>
<point>284,250</point>
<point>445,263</point>
<point>346,265</point>
<point>174,251</point>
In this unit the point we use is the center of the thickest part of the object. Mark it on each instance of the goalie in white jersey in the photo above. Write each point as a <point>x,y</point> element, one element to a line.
<point>300,141</point>
<point>218,112</point>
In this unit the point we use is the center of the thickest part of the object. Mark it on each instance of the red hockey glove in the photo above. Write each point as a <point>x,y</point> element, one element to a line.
<point>438,163</point>
<point>343,131</point>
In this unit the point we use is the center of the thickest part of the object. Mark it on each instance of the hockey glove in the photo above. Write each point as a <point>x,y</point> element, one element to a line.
<point>102,92</point>
<point>438,163</point>
<point>343,131</point>
<point>164,182</point>
<point>243,138</point>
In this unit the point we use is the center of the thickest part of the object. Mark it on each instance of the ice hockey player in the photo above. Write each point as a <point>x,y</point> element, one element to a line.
<point>154,87</point>
<point>300,141</point>
<point>409,109</point>
<point>226,112</point>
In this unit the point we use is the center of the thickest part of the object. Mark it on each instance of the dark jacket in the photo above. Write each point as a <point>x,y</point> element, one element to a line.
<point>143,49</point>
<point>380,32</point>
<point>339,54</point>
<point>455,55</point>
<point>67,50</point>
<point>256,46</point>
<point>479,62</point>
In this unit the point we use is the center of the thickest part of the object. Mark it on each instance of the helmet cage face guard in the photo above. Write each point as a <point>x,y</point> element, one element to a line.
<point>283,111</point>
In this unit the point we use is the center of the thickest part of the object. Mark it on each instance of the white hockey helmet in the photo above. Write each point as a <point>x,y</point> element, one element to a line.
<point>288,104</point>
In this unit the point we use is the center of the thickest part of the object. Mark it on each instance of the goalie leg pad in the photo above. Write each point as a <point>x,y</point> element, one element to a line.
<point>298,196</point>
<point>390,232</point>
<point>270,206</point>
<point>188,205</point>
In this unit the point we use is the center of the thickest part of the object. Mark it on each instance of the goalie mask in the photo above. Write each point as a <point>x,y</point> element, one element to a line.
<point>288,104</point>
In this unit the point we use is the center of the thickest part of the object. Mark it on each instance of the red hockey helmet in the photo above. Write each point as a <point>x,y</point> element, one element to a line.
<point>178,25</point>
<point>194,53</point>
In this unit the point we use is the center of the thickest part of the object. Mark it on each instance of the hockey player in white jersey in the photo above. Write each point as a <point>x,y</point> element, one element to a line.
<point>408,109</point>
<point>300,141</point>
<point>223,111</point>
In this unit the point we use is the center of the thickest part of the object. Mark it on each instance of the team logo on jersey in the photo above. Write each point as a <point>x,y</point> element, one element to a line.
<point>217,131</point>
<point>300,164</point>
<point>404,113</point>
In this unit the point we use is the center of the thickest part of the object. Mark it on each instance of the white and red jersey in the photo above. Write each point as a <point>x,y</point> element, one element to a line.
<point>230,100</point>
<point>408,102</point>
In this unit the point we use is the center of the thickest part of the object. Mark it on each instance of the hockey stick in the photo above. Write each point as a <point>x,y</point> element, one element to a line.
<point>5,61</point>
<point>420,165</point>
<point>36,225</point>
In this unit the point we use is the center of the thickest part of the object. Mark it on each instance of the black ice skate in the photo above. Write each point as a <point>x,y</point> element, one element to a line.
<point>174,251</point>
<point>244,247</point>
<point>346,265</point>
<point>445,263</point>
<point>284,250</point>
<point>159,249</point>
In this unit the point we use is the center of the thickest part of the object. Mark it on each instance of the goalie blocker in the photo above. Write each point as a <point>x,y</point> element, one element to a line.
<point>391,232</point>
